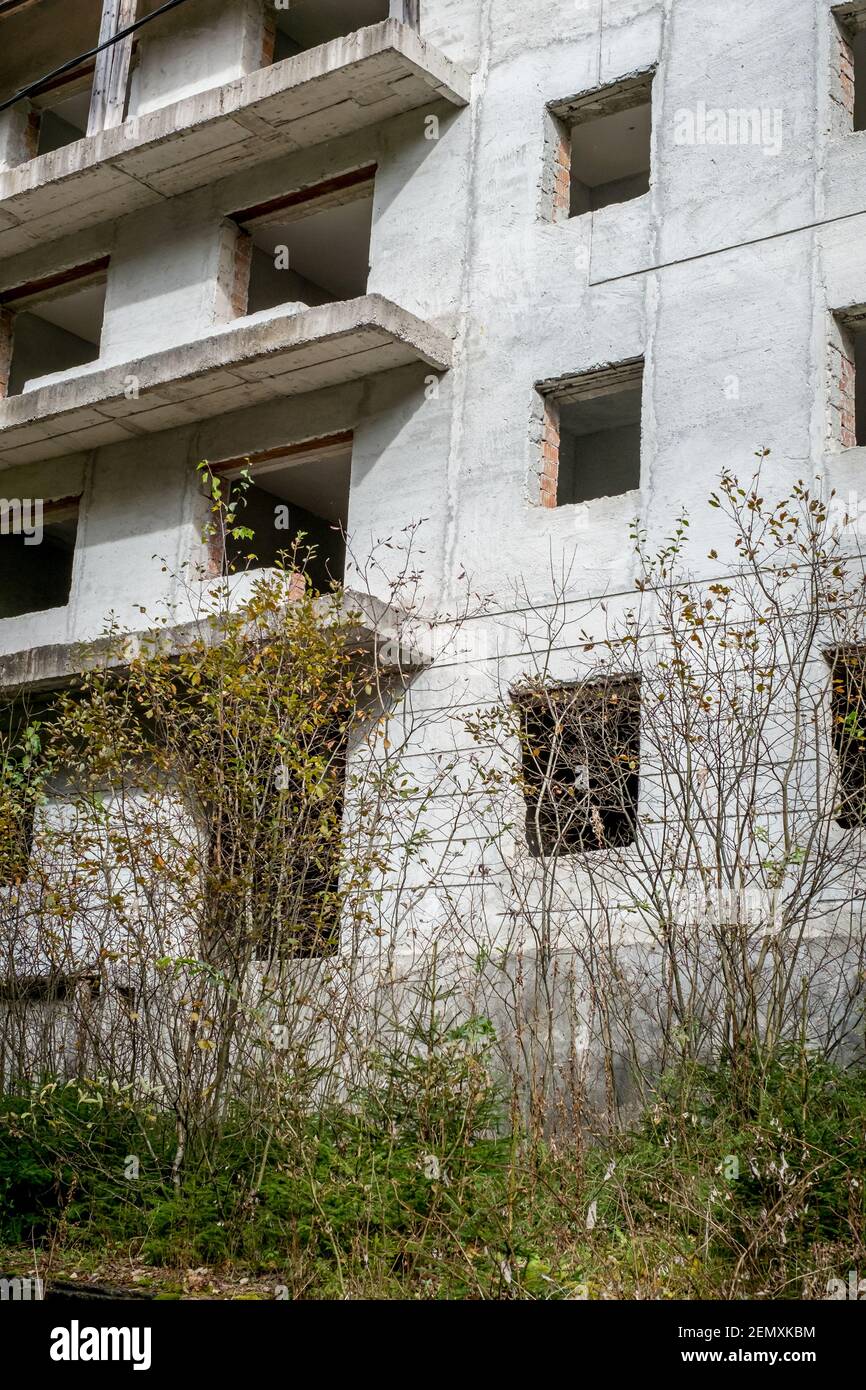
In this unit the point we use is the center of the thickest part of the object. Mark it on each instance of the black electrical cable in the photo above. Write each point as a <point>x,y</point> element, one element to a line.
<point>91,53</point>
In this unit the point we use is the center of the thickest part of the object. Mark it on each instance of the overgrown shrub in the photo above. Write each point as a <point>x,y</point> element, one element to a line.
<point>751,1183</point>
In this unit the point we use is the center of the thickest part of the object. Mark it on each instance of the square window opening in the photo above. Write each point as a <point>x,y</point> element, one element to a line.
<point>610,138</point>
<point>37,551</point>
<point>37,40</point>
<point>24,722</point>
<point>64,110</point>
<point>307,23</point>
<point>297,506</point>
<point>54,327</point>
<point>309,249</point>
<point>847,378</point>
<point>851,79</point>
<point>274,878</point>
<point>592,435</point>
<point>848,711</point>
<point>581,766</point>
<point>859,358</point>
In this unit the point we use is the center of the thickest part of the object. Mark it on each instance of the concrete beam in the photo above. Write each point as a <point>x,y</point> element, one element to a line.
<point>356,81</point>
<point>262,359</point>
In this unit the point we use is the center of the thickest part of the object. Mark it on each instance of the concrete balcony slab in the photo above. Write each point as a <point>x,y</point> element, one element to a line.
<point>342,86</point>
<point>374,632</point>
<point>235,367</point>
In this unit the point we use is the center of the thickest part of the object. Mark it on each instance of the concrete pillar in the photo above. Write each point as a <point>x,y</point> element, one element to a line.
<point>406,11</point>
<point>108,101</point>
<point>200,45</point>
<point>19,135</point>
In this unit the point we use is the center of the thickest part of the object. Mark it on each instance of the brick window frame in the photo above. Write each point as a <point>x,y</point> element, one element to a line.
<point>228,469</point>
<point>568,113</point>
<point>550,395</point>
<point>236,248</point>
<point>846,344</point>
<point>580,764</point>
<point>849,24</point>
<point>20,298</point>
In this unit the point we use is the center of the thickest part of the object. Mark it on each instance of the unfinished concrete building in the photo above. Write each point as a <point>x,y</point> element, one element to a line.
<point>515,273</point>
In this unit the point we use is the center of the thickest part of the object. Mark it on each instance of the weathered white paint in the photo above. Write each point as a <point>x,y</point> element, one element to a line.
<point>722,276</point>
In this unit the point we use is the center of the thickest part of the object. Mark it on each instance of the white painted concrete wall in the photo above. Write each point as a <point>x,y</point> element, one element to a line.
<point>723,276</point>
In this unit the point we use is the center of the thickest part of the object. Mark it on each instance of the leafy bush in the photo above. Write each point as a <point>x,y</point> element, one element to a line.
<point>413,1153</point>
<point>753,1175</point>
<point>64,1154</point>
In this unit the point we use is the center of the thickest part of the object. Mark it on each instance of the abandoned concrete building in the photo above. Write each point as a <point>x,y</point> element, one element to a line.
<point>513,273</point>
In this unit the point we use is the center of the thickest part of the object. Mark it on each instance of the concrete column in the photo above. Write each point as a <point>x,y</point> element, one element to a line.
<point>406,11</point>
<point>108,103</point>
<point>200,45</point>
<point>19,135</point>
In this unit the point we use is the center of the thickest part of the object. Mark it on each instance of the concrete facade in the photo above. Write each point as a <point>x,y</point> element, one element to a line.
<point>723,279</point>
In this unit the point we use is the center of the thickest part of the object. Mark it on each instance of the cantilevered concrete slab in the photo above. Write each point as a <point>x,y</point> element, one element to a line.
<point>260,360</point>
<point>356,81</point>
<point>376,632</point>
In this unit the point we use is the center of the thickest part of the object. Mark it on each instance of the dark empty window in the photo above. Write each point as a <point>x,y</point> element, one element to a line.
<point>306,23</point>
<point>56,988</point>
<point>848,707</point>
<point>37,547</point>
<point>859,359</point>
<point>859,50</point>
<point>35,41</point>
<point>296,503</point>
<point>848,376</point>
<point>53,325</point>
<point>23,724</point>
<point>860,387</point>
<point>274,868</point>
<point>609,132</point>
<point>309,248</point>
<point>580,755</point>
<point>592,435</point>
<point>851,77</point>
<point>62,110</point>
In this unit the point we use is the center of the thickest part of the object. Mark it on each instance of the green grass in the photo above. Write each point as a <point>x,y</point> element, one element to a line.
<point>732,1185</point>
